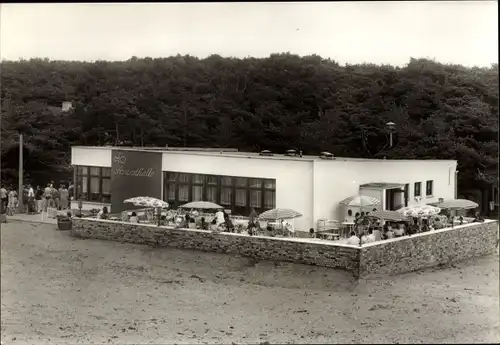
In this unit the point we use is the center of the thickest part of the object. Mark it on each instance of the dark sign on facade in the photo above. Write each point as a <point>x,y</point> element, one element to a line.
<point>134,173</point>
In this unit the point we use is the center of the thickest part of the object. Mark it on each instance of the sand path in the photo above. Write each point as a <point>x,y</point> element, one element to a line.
<point>57,289</point>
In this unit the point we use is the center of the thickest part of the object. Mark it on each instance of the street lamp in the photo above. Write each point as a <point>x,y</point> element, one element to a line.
<point>391,126</point>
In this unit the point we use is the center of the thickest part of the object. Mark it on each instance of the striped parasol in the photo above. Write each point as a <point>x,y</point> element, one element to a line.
<point>146,201</point>
<point>279,214</point>
<point>360,201</point>
<point>205,205</point>
<point>392,216</point>
<point>419,211</point>
<point>457,204</point>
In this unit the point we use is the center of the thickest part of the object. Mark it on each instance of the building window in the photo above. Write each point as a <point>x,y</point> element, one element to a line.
<point>416,191</point>
<point>239,194</point>
<point>429,188</point>
<point>255,198</point>
<point>197,187</point>
<point>93,184</point>
<point>226,196</point>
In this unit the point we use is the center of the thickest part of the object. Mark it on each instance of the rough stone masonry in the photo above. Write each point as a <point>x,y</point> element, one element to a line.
<point>384,257</point>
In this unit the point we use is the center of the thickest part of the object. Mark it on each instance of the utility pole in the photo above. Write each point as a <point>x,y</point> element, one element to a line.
<point>20,192</point>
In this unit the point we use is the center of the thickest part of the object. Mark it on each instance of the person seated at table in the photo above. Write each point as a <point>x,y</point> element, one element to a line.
<point>163,220</point>
<point>219,216</point>
<point>437,223</point>
<point>103,214</point>
<point>413,227</point>
<point>289,231</point>
<point>311,233</point>
<point>478,218</point>
<point>388,233</point>
<point>425,226</point>
<point>377,234</point>
<point>251,227</point>
<point>363,237</point>
<point>349,218</point>
<point>213,225</point>
<point>133,218</point>
<point>185,221</point>
<point>203,224</point>
<point>228,223</point>
<point>398,231</point>
<point>192,223</point>
<point>353,239</point>
<point>193,213</point>
<point>368,238</point>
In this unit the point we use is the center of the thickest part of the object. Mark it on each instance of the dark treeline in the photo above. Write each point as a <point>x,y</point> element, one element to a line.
<point>276,103</point>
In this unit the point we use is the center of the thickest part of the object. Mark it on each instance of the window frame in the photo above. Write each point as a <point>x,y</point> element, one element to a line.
<point>419,184</point>
<point>427,184</point>
<point>219,182</point>
<point>81,171</point>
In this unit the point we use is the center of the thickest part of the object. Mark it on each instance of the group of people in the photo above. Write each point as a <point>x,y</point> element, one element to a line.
<point>191,220</point>
<point>370,230</point>
<point>35,200</point>
<point>219,222</point>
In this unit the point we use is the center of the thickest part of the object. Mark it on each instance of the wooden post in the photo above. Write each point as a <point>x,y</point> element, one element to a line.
<point>20,192</point>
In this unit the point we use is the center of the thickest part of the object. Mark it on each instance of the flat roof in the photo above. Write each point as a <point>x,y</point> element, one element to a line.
<point>256,155</point>
<point>382,185</point>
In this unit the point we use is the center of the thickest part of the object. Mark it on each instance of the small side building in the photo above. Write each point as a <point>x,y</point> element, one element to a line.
<point>240,181</point>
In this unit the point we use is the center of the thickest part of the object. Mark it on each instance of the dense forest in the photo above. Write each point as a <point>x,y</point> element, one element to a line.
<point>277,103</point>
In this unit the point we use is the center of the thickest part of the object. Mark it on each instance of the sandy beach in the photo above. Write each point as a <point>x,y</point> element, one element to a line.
<point>61,290</point>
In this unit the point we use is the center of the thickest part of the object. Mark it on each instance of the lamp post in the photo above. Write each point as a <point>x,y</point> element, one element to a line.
<point>391,126</point>
<point>20,194</point>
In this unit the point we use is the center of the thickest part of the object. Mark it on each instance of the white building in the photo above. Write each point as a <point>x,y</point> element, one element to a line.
<point>239,181</point>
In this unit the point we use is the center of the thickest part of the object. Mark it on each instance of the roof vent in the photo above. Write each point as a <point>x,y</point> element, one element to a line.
<point>291,153</point>
<point>265,153</point>
<point>326,155</point>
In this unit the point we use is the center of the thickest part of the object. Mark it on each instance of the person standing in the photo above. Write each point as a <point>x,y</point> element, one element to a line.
<point>55,197</point>
<point>253,217</point>
<point>71,191</point>
<point>31,199</point>
<point>64,195</point>
<point>12,201</point>
<point>48,197</point>
<point>38,199</point>
<point>4,199</point>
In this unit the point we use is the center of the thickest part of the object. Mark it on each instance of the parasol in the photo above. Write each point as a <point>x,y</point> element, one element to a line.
<point>360,201</point>
<point>456,204</point>
<point>419,211</point>
<point>146,201</point>
<point>201,205</point>
<point>279,214</point>
<point>392,216</point>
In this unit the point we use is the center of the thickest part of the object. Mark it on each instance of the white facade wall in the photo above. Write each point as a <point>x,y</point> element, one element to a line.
<point>336,180</point>
<point>333,182</point>
<point>91,156</point>
<point>294,181</point>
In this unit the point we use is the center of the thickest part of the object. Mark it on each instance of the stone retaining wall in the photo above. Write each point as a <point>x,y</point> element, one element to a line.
<point>429,249</point>
<point>263,248</point>
<point>385,257</point>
